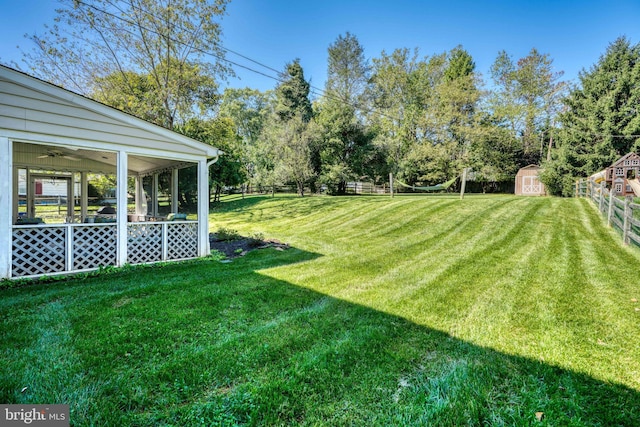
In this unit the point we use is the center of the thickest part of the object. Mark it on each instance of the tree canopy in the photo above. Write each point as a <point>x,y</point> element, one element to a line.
<point>423,117</point>
<point>160,59</point>
<point>600,121</point>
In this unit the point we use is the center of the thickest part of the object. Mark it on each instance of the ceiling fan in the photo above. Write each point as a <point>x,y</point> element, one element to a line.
<point>58,153</point>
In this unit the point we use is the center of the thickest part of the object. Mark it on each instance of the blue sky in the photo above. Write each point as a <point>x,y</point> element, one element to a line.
<point>274,32</point>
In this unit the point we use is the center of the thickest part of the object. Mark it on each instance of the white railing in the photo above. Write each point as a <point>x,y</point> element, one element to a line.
<point>66,248</point>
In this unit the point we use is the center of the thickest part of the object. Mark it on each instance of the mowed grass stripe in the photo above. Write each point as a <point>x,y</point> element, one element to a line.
<point>489,257</point>
<point>430,245</point>
<point>411,243</point>
<point>406,311</point>
<point>423,267</point>
<point>501,272</point>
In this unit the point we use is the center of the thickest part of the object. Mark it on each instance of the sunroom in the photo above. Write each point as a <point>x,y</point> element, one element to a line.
<point>56,148</point>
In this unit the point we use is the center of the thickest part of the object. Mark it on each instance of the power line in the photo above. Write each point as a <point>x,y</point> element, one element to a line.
<point>205,52</point>
<point>314,89</point>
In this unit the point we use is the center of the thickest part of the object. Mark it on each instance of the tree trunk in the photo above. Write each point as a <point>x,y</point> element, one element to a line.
<point>342,187</point>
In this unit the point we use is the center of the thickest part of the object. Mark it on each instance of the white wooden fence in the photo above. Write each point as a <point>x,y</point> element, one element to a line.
<point>60,248</point>
<point>621,213</point>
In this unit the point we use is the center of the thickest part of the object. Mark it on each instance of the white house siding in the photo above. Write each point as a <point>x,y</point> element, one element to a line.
<point>25,110</point>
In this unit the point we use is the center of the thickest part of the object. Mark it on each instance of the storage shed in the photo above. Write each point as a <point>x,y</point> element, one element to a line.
<point>51,134</point>
<point>528,182</point>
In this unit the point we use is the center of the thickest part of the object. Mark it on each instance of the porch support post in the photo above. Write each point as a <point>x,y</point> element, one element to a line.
<point>203,208</point>
<point>154,195</point>
<point>84,196</point>
<point>6,202</point>
<point>16,196</point>
<point>174,190</point>
<point>31,210</point>
<point>141,199</point>
<point>71,199</point>
<point>121,208</point>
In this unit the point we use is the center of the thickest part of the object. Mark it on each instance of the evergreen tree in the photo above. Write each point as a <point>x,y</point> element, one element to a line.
<point>460,65</point>
<point>601,121</point>
<point>345,144</point>
<point>290,137</point>
<point>292,95</point>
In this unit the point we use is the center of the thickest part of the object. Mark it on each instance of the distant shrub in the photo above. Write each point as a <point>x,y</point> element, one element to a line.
<point>256,239</point>
<point>227,234</point>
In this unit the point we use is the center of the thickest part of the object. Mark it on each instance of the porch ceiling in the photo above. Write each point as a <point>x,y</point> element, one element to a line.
<point>64,158</point>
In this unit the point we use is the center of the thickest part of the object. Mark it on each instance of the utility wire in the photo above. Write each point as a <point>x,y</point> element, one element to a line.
<point>315,90</point>
<point>205,52</point>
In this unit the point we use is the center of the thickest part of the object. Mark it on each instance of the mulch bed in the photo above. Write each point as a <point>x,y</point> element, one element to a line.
<point>242,246</point>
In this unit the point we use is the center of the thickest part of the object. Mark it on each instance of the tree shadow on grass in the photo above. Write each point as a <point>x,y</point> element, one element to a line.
<point>221,344</point>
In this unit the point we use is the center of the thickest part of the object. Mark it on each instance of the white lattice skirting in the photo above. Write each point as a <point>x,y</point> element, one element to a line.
<point>39,250</point>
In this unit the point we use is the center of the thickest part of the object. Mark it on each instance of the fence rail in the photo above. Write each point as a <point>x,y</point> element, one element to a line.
<point>621,213</point>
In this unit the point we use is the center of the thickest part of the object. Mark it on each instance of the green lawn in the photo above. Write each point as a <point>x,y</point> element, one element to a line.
<point>406,311</point>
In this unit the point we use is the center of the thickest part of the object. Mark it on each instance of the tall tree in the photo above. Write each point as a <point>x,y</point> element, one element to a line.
<point>347,71</point>
<point>427,109</point>
<point>106,47</point>
<point>600,122</point>
<point>345,146</point>
<point>289,138</point>
<point>293,141</point>
<point>526,97</point>
<point>457,97</point>
<point>249,109</point>
<point>460,65</point>
<point>228,170</point>
<point>137,94</point>
<point>292,94</point>
<point>401,89</point>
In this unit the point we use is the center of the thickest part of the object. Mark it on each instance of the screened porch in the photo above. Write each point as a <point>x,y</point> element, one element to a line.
<point>62,224</point>
<point>85,186</point>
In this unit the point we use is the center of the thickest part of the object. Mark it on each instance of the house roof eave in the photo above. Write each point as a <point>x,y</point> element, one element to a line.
<point>37,84</point>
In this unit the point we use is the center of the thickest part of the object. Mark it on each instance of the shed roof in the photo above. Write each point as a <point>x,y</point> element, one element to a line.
<point>530,167</point>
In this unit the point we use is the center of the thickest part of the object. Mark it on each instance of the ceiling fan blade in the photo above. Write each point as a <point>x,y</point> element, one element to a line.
<point>72,158</point>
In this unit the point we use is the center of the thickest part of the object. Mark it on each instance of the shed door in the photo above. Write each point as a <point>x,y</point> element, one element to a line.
<point>531,185</point>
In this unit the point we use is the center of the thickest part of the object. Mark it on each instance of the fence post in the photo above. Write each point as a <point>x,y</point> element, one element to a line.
<point>601,197</point>
<point>626,227</point>
<point>610,213</point>
<point>586,191</point>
